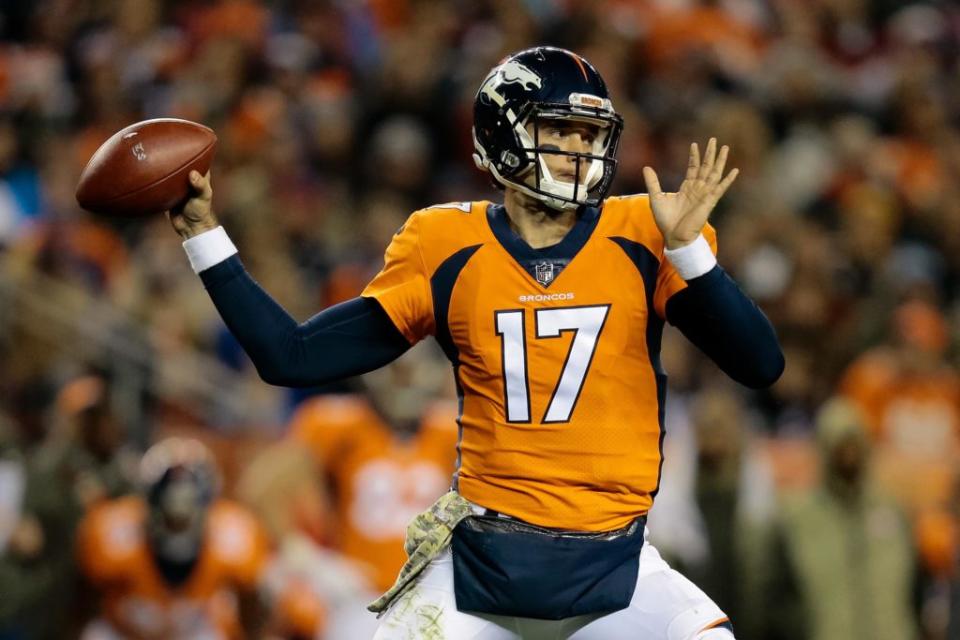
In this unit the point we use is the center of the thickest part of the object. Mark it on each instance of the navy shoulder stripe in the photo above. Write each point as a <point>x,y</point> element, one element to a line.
<point>648,265</point>
<point>441,287</point>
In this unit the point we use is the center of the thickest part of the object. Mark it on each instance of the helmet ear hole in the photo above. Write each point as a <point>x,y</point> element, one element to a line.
<point>510,160</point>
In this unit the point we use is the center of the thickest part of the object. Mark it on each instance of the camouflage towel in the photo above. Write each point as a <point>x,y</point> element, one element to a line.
<point>427,536</point>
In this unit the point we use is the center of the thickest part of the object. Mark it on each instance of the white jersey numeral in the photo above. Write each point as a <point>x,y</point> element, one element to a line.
<point>514,352</point>
<point>586,324</point>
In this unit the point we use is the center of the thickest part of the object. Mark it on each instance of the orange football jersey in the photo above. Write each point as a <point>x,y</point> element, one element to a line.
<point>555,350</point>
<point>114,554</point>
<point>379,481</point>
<point>913,417</point>
<point>917,411</point>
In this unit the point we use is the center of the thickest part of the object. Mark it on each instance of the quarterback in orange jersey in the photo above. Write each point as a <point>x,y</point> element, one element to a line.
<point>550,307</point>
<point>177,562</point>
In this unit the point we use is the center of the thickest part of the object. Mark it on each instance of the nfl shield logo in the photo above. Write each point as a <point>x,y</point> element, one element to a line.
<point>545,273</point>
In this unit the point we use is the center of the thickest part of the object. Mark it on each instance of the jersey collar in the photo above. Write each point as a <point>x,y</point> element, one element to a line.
<point>545,264</point>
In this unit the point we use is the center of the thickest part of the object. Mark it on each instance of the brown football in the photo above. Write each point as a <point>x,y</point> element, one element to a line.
<point>144,169</point>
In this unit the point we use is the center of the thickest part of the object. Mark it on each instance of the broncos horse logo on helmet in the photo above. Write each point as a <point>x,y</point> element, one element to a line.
<point>544,83</point>
<point>509,72</point>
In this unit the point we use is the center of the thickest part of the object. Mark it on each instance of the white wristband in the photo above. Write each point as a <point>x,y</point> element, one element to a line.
<point>208,249</point>
<point>692,260</point>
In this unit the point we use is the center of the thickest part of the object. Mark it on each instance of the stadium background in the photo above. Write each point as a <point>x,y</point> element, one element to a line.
<point>338,118</point>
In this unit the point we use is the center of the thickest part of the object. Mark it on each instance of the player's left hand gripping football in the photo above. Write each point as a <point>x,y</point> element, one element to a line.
<point>195,215</point>
<point>681,216</point>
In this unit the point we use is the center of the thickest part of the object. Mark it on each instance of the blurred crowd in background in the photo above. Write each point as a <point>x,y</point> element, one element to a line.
<point>827,507</point>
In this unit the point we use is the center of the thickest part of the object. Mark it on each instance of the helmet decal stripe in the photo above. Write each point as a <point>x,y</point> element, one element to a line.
<point>579,62</point>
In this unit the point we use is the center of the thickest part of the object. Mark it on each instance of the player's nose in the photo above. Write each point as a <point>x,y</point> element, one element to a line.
<point>576,142</point>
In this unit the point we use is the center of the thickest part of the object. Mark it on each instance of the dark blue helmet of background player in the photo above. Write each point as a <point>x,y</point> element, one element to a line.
<point>180,481</point>
<point>531,86</point>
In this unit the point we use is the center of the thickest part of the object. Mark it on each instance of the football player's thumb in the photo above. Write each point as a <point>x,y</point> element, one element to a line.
<point>653,184</point>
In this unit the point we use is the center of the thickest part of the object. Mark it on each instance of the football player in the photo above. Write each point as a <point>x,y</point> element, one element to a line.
<point>388,455</point>
<point>356,468</point>
<point>177,562</point>
<point>550,307</point>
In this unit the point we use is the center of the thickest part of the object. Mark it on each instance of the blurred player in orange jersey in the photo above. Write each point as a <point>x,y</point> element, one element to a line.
<point>906,388</point>
<point>387,457</point>
<point>176,562</point>
<point>909,395</point>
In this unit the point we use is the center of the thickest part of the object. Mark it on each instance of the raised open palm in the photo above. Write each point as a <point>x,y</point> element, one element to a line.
<point>681,216</point>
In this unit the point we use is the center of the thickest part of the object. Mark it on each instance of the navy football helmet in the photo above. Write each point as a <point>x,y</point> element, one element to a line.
<point>530,86</point>
<point>179,479</point>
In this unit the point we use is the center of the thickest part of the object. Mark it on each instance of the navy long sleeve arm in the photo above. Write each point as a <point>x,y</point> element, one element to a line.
<point>715,315</point>
<point>344,340</point>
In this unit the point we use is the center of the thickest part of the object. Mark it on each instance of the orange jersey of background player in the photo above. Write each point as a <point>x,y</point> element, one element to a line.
<point>910,397</point>
<point>379,480</point>
<point>917,411</point>
<point>556,353</point>
<point>115,556</point>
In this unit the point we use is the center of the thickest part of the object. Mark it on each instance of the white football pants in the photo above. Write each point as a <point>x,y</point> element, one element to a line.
<point>665,606</point>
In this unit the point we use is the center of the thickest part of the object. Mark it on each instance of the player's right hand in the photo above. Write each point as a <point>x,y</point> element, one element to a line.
<point>195,215</point>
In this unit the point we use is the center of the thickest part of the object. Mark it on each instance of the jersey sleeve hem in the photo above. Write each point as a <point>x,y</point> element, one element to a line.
<point>396,318</point>
<point>208,249</point>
